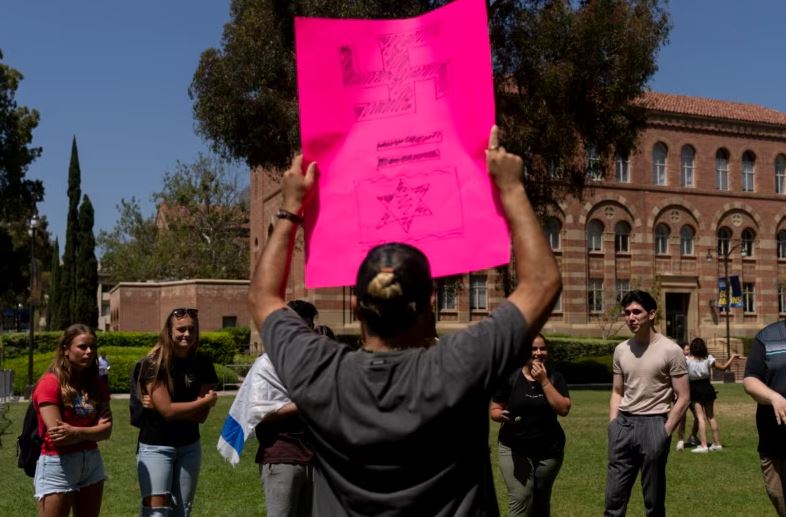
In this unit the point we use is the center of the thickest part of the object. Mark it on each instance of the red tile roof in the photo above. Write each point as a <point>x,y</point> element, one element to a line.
<point>702,107</point>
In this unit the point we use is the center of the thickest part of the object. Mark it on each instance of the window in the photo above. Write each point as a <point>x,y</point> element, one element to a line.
<point>686,166</point>
<point>446,294</point>
<point>724,242</point>
<point>747,238</point>
<point>228,322</point>
<point>748,164</point>
<point>622,168</point>
<point>659,153</point>
<point>622,237</point>
<point>477,292</point>
<point>662,239</point>
<point>782,244</point>
<point>594,171</point>
<point>553,230</point>
<point>595,295</point>
<point>558,305</point>
<point>782,298</point>
<point>595,236</point>
<point>623,288</point>
<point>749,297</point>
<point>780,174</point>
<point>722,169</point>
<point>686,241</point>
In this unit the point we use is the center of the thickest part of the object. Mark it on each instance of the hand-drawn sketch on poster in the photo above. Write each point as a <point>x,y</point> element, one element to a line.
<point>397,115</point>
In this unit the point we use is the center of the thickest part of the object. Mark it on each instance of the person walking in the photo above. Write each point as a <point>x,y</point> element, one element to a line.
<point>702,394</point>
<point>175,385</point>
<point>103,367</point>
<point>400,427</point>
<point>73,412</point>
<point>765,382</point>
<point>649,396</point>
<point>531,441</point>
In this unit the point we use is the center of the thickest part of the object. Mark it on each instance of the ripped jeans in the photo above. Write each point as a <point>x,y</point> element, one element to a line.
<point>172,471</point>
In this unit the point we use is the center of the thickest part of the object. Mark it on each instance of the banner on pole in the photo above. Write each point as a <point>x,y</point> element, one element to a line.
<point>397,115</point>
<point>736,292</point>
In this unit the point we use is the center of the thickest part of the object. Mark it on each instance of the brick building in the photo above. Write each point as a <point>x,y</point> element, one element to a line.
<point>144,306</point>
<point>707,181</point>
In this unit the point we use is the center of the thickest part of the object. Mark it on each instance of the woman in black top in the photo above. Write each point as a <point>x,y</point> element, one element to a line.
<point>531,441</point>
<point>175,388</point>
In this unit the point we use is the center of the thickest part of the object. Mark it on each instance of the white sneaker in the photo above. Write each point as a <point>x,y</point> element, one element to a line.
<point>701,449</point>
<point>680,445</point>
<point>714,447</point>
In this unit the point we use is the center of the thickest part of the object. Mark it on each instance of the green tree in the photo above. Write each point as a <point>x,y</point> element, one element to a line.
<point>53,304</point>
<point>18,195</point>
<point>200,230</point>
<point>567,76</point>
<point>86,305</point>
<point>68,272</point>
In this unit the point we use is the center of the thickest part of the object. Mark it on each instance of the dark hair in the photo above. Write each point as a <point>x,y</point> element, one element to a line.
<point>393,287</point>
<point>325,331</point>
<point>304,309</point>
<point>698,348</point>
<point>643,298</point>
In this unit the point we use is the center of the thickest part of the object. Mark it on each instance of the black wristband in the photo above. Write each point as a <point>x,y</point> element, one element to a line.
<point>289,216</point>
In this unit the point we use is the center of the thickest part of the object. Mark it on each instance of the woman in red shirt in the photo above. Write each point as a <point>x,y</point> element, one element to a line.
<point>73,414</point>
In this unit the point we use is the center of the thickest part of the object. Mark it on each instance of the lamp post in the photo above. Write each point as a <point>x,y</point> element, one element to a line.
<point>32,230</point>
<point>724,252</point>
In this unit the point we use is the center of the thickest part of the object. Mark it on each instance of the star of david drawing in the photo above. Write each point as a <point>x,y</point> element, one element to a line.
<point>403,205</point>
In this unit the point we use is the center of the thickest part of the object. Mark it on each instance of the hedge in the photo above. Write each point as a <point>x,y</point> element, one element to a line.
<point>121,359</point>
<point>219,346</point>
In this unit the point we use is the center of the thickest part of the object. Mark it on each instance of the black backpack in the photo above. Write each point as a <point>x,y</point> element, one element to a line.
<point>28,444</point>
<point>134,404</point>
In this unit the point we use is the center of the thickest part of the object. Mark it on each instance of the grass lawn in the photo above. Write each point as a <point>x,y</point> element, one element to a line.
<point>716,484</point>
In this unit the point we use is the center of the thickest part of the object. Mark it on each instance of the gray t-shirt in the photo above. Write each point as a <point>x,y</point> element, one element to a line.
<point>402,432</point>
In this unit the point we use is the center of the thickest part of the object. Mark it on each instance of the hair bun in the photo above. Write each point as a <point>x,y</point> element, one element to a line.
<point>385,286</point>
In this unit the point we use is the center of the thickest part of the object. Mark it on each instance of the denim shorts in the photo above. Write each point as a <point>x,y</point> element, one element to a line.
<point>67,472</point>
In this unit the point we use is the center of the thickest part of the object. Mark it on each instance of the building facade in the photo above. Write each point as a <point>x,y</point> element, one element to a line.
<point>703,194</point>
<point>145,306</point>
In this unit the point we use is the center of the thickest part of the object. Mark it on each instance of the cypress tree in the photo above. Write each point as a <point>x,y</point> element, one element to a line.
<point>86,303</point>
<point>67,294</point>
<point>53,304</point>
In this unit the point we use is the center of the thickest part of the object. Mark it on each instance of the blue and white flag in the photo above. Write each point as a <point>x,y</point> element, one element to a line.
<point>260,394</point>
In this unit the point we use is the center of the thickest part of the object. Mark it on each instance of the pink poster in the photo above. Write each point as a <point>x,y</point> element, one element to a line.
<point>397,114</point>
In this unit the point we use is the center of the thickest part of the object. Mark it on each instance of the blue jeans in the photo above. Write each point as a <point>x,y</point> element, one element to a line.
<point>172,471</point>
<point>67,472</point>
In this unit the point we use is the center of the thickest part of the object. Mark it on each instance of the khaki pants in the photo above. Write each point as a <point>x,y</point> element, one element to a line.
<point>773,470</point>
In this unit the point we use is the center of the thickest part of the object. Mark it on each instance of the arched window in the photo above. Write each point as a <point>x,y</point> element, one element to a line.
<point>747,238</point>
<point>686,240</point>
<point>595,236</point>
<point>622,237</point>
<point>722,169</point>
<point>748,165</point>
<point>782,244</point>
<point>622,167</point>
<point>659,153</point>
<point>780,174</point>
<point>662,239</point>
<point>724,241</point>
<point>686,166</point>
<point>553,229</point>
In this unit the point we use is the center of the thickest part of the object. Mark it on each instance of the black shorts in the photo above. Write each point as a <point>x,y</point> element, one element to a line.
<point>701,391</point>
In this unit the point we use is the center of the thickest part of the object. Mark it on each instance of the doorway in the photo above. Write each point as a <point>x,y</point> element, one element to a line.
<point>677,316</point>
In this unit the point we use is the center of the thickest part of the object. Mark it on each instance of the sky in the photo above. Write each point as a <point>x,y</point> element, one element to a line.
<point>115,75</point>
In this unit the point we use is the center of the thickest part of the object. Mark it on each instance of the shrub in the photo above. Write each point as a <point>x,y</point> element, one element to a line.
<point>219,346</point>
<point>240,335</point>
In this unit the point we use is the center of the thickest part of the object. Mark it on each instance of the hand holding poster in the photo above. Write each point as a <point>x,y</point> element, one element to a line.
<point>397,114</point>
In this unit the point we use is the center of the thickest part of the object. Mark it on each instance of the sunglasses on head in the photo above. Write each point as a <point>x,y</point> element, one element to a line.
<point>183,311</point>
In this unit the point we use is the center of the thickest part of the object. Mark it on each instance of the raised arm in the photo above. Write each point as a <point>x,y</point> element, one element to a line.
<point>539,282</point>
<point>725,366</point>
<point>268,283</point>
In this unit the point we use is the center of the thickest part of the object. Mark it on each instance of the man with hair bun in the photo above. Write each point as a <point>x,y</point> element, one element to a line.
<point>400,426</point>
